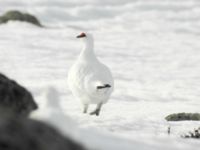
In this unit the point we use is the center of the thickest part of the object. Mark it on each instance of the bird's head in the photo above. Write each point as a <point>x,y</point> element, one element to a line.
<point>85,36</point>
<point>82,35</point>
<point>87,39</point>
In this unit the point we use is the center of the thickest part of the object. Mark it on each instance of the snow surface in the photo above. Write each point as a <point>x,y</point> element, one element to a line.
<point>151,46</point>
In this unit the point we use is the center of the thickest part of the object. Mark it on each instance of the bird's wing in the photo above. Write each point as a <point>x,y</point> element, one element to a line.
<point>99,81</point>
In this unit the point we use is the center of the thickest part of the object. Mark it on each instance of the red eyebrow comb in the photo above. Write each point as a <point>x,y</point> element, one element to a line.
<point>81,35</point>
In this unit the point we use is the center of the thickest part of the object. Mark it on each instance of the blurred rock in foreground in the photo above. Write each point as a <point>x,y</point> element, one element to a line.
<point>19,16</point>
<point>15,98</point>
<point>17,133</point>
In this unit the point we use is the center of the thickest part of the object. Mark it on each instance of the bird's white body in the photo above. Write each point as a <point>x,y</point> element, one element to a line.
<point>87,74</point>
<point>83,79</point>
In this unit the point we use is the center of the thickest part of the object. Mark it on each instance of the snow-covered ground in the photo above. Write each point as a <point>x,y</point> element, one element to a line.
<point>151,46</point>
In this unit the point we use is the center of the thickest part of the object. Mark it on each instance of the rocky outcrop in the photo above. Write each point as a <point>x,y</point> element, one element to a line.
<point>15,98</point>
<point>19,16</point>
<point>183,117</point>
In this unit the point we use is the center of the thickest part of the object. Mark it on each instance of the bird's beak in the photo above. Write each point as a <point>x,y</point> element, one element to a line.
<point>81,35</point>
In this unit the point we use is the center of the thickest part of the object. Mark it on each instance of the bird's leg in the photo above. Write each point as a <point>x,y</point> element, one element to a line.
<point>97,110</point>
<point>85,108</point>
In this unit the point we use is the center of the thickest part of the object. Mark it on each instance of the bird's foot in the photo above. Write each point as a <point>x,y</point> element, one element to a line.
<point>95,112</point>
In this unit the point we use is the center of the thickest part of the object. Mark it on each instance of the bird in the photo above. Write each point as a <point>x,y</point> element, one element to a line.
<point>90,80</point>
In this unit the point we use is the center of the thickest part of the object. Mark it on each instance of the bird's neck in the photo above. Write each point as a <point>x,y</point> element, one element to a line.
<point>87,52</point>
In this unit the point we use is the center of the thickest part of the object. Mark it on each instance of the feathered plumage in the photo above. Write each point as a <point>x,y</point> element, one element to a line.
<point>89,80</point>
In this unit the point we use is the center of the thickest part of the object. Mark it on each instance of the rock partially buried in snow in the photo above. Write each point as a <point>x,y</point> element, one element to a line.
<point>15,98</point>
<point>19,16</point>
<point>193,134</point>
<point>183,117</point>
<point>26,134</point>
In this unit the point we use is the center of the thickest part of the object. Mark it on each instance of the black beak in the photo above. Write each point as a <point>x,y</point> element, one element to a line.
<point>81,35</point>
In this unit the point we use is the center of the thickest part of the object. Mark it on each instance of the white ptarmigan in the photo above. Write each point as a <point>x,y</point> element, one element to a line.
<point>89,80</point>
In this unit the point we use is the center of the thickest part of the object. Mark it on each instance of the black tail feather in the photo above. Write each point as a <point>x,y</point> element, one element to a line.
<point>104,86</point>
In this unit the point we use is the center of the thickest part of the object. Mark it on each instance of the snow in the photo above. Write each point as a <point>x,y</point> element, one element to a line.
<point>152,48</point>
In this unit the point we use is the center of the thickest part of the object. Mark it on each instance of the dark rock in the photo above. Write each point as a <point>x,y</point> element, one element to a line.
<point>19,16</point>
<point>17,133</point>
<point>15,98</point>
<point>183,117</point>
<point>194,134</point>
